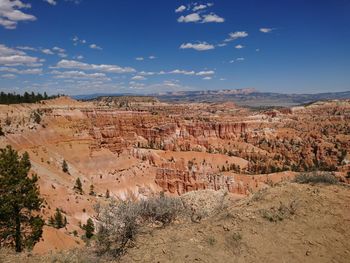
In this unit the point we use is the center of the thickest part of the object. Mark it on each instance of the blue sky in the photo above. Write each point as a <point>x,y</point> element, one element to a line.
<point>89,46</point>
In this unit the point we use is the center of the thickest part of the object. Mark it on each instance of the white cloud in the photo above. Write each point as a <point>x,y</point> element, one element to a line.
<point>207,78</point>
<point>237,59</point>
<point>17,60</point>
<point>265,30</point>
<point>77,2</point>
<point>77,40</point>
<point>73,64</point>
<point>47,51</point>
<point>51,2</point>
<point>222,45</point>
<point>32,71</point>
<point>62,55</point>
<point>147,73</point>
<point>236,35</point>
<point>205,73</point>
<point>170,83</point>
<point>8,76</point>
<point>143,58</point>
<point>80,57</point>
<point>58,49</point>
<point>184,72</point>
<point>94,46</point>
<point>180,9</point>
<point>27,48</point>
<point>14,57</point>
<point>212,18</point>
<point>239,46</point>
<point>199,7</point>
<point>137,77</point>
<point>78,75</point>
<point>257,50</point>
<point>178,71</point>
<point>194,17</point>
<point>202,46</point>
<point>10,14</point>
<point>136,85</point>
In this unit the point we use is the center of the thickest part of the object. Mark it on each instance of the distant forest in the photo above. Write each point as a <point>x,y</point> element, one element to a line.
<point>13,98</point>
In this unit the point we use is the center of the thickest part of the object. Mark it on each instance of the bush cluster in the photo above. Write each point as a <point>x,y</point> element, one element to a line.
<point>119,222</point>
<point>314,178</point>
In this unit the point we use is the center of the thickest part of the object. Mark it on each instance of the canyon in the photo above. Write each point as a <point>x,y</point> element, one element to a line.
<point>137,147</point>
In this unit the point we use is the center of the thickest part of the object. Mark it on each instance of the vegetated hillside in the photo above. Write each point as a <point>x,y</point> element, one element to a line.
<point>243,97</point>
<point>250,97</point>
<point>290,222</point>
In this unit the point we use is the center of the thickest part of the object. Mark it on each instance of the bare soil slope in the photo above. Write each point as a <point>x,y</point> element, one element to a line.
<point>287,223</point>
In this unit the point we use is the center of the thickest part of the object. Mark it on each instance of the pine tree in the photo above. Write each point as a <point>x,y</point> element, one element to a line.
<point>107,193</point>
<point>65,167</point>
<point>58,219</point>
<point>20,202</point>
<point>51,221</point>
<point>89,228</point>
<point>92,192</point>
<point>78,187</point>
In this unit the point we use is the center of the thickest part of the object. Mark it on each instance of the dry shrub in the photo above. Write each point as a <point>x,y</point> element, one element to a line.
<point>314,178</point>
<point>119,222</point>
<point>70,256</point>
<point>117,226</point>
<point>161,209</point>
<point>275,214</point>
<point>203,203</point>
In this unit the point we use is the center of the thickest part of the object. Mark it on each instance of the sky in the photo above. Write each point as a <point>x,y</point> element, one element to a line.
<point>152,46</point>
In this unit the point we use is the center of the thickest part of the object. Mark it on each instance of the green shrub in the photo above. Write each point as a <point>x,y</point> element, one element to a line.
<point>78,187</point>
<point>65,167</point>
<point>89,228</point>
<point>36,117</point>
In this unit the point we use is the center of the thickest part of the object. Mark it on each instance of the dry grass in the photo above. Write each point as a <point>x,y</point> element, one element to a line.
<point>71,256</point>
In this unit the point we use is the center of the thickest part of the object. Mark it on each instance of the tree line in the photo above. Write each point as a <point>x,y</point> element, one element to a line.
<point>13,98</point>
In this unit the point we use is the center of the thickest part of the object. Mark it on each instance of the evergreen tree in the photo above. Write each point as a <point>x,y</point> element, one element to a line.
<point>36,117</point>
<point>89,228</point>
<point>51,221</point>
<point>92,192</point>
<point>58,219</point>
<point>107,193</point>
<point>65,167</point>
<point>12,98</point>
<point>78,187</point>
<point>20,202</point>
